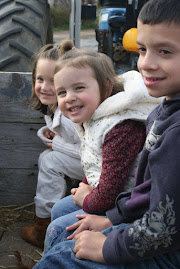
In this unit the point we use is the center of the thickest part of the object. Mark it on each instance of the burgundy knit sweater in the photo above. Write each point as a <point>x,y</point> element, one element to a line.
<point>120,149</point>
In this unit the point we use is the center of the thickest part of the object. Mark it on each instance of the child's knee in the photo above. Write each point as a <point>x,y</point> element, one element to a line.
<point>46,161</point>
<point>55,211</point>
<point>42,155</point>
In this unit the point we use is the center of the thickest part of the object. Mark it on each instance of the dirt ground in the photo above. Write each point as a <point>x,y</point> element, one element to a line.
<point>11,220</point>
<point>87,38</point>
<point>85,34</point>
<point>13,248</point>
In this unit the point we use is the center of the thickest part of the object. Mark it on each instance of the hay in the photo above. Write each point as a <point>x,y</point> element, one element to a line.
<point>9,215</point>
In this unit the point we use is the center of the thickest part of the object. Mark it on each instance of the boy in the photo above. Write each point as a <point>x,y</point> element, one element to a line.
<point>151,236</point>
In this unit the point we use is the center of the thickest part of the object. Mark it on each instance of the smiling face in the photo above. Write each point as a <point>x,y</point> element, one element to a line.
<point>78,93</point>
<point>44,82</point>
<point>159,59</point>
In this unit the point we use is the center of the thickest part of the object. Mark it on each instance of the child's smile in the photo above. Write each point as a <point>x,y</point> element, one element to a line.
<point>77,92</point>
<point>159,60</point>
<point>44,83</point>
<point>152,81</point>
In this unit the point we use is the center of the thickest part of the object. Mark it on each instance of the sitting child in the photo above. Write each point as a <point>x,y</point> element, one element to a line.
<point>63,156</point>
<point>144,226</point>
<point>109,113</point>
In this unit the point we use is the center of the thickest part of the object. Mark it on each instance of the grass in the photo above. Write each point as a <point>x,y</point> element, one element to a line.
<point>87,25</point>
<point>60,20</point>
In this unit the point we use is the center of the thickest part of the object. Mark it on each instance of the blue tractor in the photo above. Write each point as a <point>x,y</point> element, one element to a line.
<point>115,19</point>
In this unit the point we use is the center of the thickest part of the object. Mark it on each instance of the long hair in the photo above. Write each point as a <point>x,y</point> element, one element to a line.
<point>51,52</point>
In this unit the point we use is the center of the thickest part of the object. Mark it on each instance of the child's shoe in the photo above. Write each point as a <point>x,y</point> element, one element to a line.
<point>36,234</point>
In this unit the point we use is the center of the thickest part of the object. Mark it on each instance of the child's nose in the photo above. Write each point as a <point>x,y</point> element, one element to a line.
<point>45,85</point>
<point>70,96</point>
<point>147,62</point>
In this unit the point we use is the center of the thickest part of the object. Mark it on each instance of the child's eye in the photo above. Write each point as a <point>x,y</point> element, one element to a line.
<point>61,93</point>
<point>165,51</point>
<point>39,79</point>
<point>80,87</point>
<point>141,49</point>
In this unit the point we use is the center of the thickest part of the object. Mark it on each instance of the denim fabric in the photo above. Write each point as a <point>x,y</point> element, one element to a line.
<point>64,207</point>
<point>63,214</point>
<point>61,256</point>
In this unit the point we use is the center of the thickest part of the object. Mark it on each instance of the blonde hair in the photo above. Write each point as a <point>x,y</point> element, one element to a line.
<point>101,65</point>
<point>51,52</point>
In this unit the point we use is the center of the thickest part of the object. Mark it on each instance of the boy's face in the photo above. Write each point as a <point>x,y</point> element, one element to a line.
<point>159,58</point>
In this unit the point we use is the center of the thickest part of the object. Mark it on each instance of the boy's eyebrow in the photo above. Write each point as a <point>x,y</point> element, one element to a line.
<point>159,44</point>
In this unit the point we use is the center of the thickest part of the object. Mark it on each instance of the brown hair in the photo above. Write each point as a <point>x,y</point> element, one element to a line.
<point>52,52</point>
<point>101,65</point>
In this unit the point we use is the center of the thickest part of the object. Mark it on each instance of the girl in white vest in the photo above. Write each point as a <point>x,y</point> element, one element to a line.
<point>63,156</point>
<point>109,113</point>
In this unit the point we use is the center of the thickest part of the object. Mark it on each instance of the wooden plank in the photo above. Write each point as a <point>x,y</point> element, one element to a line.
<point>15,91</point>
<point>17,186</point>
<point>18,111</point>
<point>19,145</point>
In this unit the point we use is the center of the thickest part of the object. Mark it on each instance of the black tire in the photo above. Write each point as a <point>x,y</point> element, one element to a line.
<point>25,26</point>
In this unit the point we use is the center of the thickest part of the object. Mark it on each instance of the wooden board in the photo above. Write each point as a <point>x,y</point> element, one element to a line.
<point>19,145</point>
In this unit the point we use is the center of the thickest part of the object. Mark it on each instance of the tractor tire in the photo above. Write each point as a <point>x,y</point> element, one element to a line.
<point>25,26</point>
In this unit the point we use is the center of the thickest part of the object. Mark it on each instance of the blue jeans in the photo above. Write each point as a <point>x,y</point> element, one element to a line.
<point>63,214</point>
<point>61,256</point>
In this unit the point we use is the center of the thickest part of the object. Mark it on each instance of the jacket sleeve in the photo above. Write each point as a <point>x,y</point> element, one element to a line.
<point>70,149</point>
<point>157,231</point>
<point>120,149</point>
<point>48,126</point>
<point>40,134</point>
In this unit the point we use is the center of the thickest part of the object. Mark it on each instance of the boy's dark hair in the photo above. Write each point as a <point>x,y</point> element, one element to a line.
<point>158,11</point>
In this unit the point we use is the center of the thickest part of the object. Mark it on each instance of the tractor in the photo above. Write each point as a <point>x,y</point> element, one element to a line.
<point>117,32</point>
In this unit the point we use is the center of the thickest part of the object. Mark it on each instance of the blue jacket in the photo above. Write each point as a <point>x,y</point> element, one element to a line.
<point>152,208</point>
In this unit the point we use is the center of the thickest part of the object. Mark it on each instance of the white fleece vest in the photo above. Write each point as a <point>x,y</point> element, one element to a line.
<point>134,103</point>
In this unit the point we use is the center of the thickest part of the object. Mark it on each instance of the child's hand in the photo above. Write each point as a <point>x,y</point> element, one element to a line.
<point>81,193</point>
<point>49,134</point>
<point>88,222</point>
<point>73,191</point>
<point>49,144</point>
<point>89,246</point>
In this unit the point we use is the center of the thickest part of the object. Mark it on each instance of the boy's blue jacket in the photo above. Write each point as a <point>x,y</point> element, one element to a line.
<point>153,207</point>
